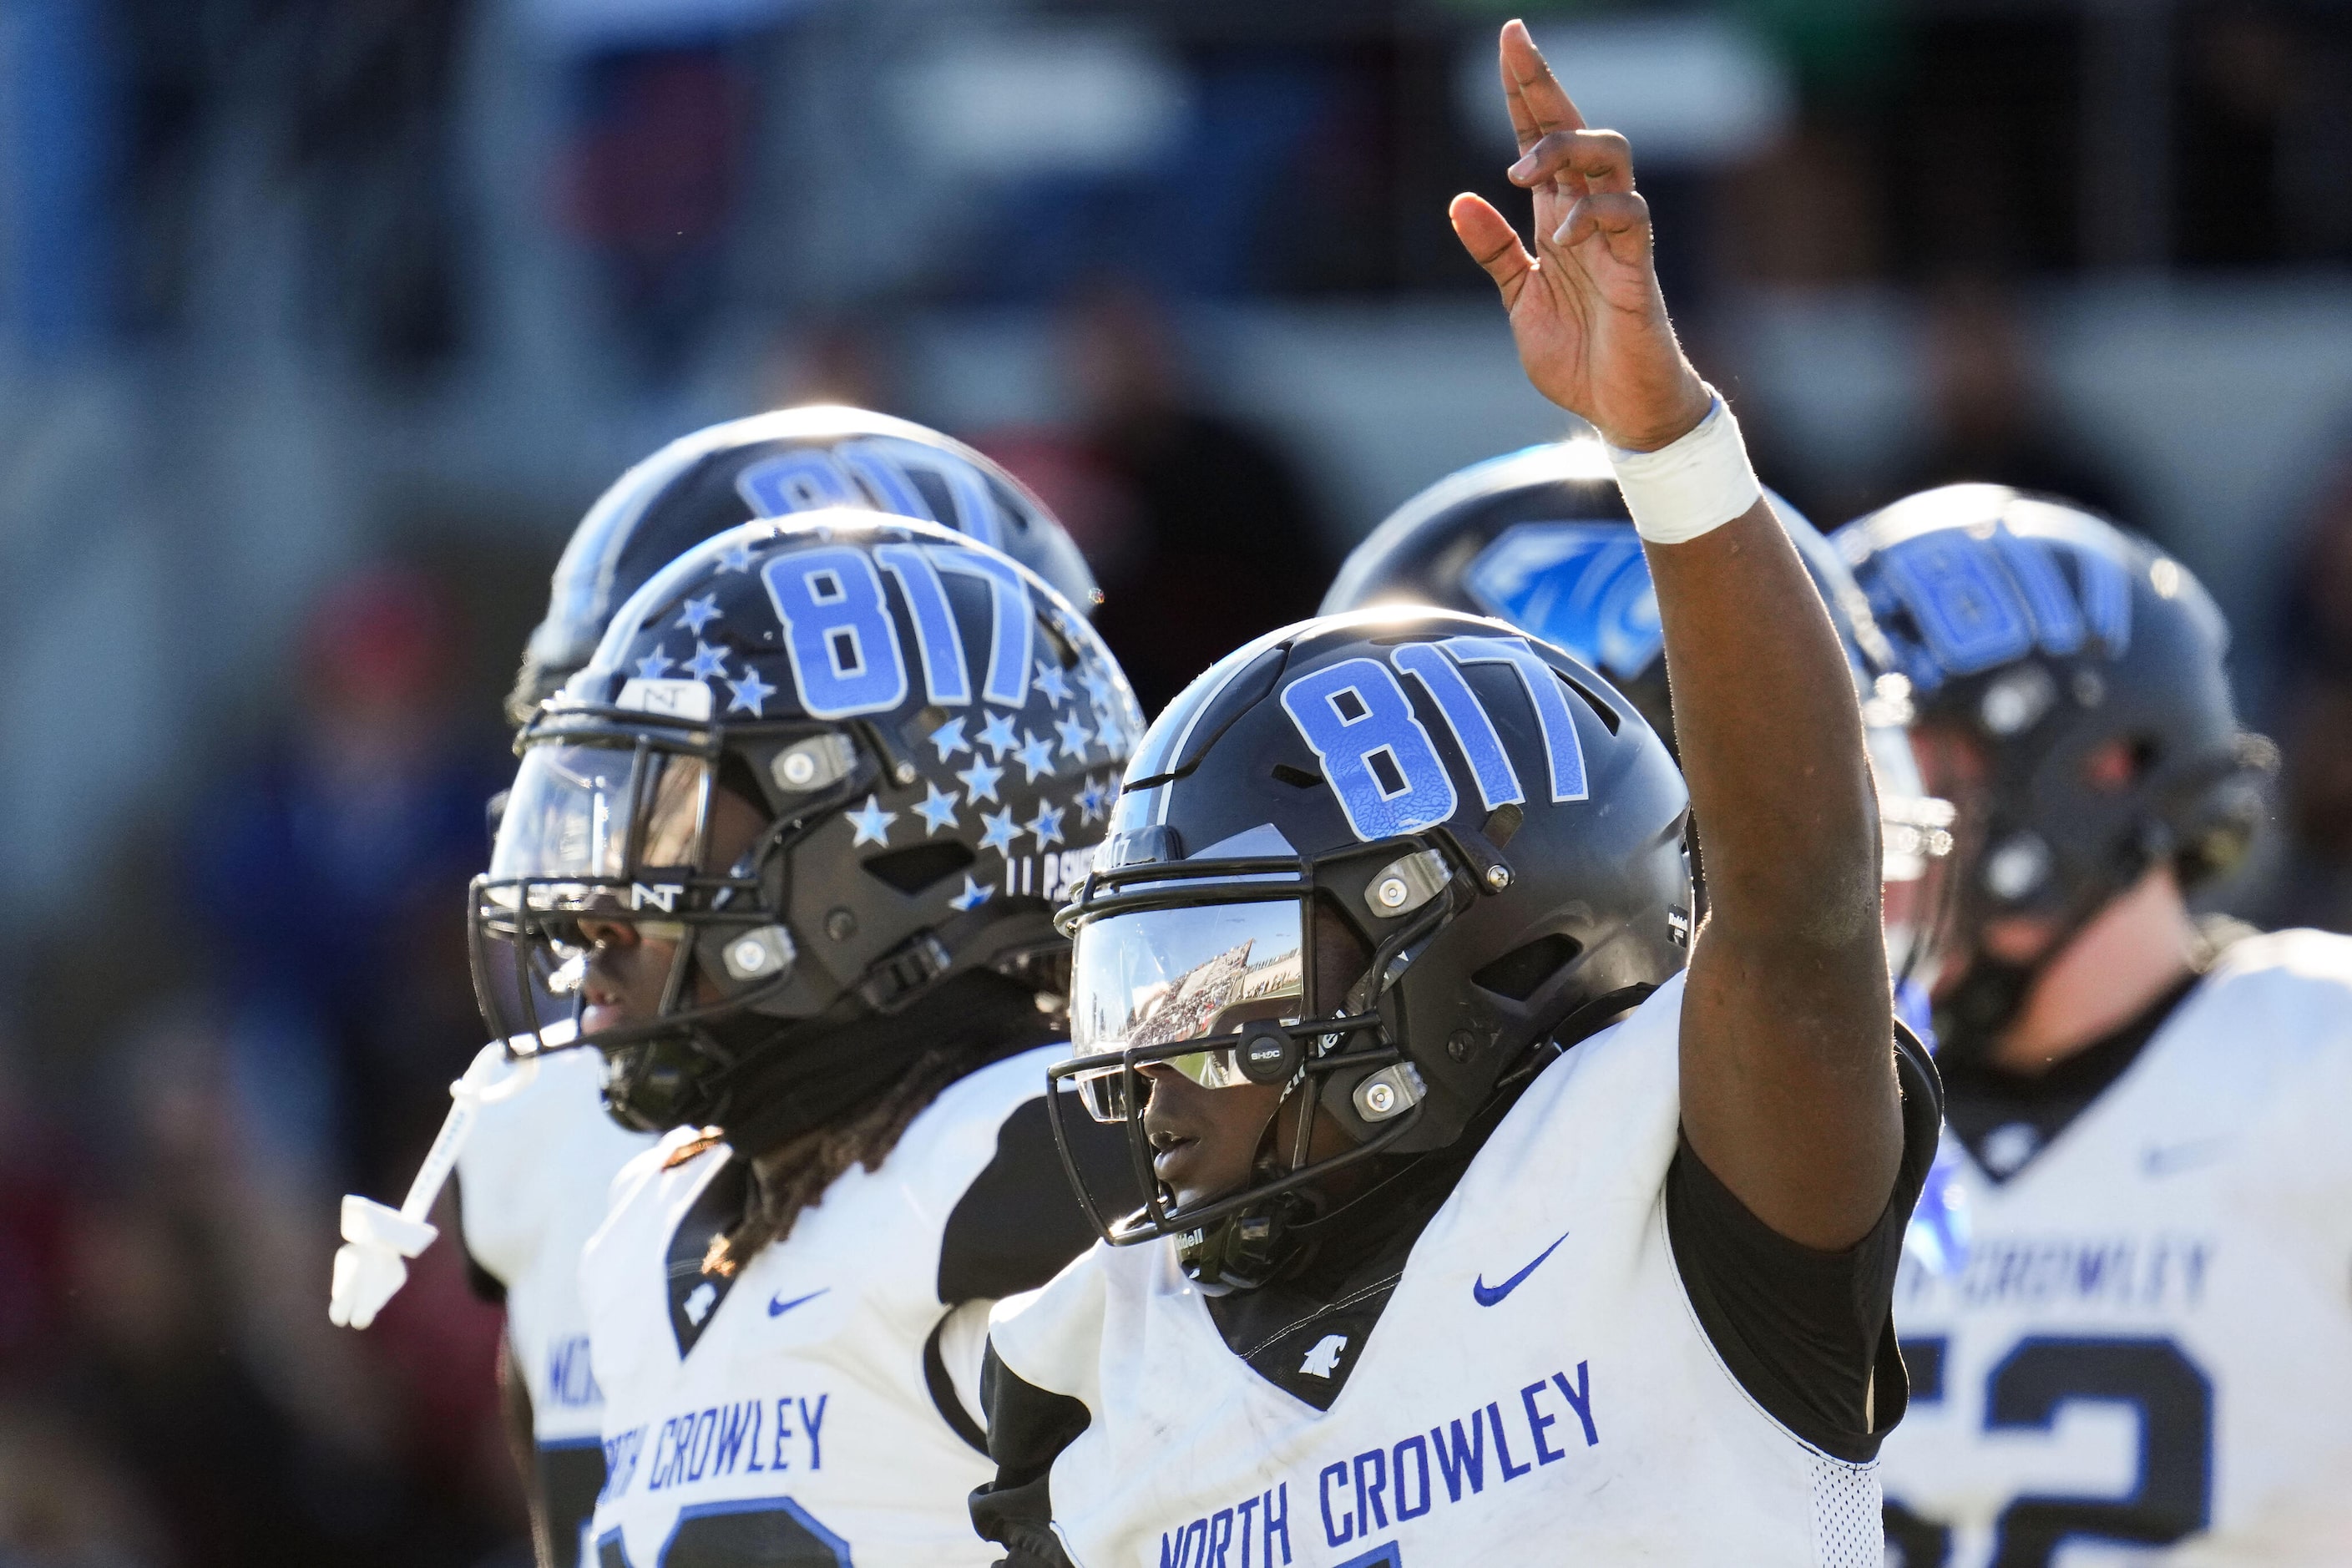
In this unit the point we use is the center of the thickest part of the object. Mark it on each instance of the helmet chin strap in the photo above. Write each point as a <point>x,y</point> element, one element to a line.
<point>1971,1018</point>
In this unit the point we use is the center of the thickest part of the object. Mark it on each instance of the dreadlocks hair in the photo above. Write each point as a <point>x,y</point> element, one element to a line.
<point>795,1176</point>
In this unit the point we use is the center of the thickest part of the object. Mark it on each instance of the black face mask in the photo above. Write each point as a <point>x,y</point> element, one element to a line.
<point>1969,1020</point>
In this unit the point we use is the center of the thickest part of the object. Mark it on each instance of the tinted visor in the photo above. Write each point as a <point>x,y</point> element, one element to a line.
<point>583,822</point>
<point>1149,979</point>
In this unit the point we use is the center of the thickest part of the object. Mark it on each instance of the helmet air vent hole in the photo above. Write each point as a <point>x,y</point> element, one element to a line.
<point>1609,715</point>
<point>919,866</point>
<point>1521,973</point>
<point>1297,778</point>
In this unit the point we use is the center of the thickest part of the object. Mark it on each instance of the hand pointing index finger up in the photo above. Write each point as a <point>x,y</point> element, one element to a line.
<point>1584,308</point>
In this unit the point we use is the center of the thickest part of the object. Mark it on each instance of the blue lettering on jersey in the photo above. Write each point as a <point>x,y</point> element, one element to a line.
<point>742,1437</point>
<point>570,1379</point>
<point>2159,1271</point>
<point>1582,586</point>
<point>1361,1494</point>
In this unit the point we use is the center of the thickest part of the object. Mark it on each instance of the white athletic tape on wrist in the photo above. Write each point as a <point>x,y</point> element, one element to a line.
<point>1691,486</point>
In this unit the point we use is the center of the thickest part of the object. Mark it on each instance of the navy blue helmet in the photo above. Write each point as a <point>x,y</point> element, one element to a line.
<point>2082,670</point>
<point>773,465</point>
<point>1391,860</point>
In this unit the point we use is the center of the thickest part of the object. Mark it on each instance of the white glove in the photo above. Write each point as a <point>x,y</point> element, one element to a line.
<point>371,1264</point>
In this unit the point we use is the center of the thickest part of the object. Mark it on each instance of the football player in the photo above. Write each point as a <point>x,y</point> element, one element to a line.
<point>2147,1350</point>
<point>793,837</point>
<point>1478,1228</point>
<point>535,1151</point>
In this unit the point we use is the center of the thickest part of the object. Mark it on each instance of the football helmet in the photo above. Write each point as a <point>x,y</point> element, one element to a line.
<point>1494,827</point>
<point>774,465</point>
<point>930,737</point>
<point>1541,538</point>
<point>2047,635</point>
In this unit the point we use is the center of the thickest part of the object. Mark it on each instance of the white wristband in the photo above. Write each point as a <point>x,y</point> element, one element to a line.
<point>1691,486</point>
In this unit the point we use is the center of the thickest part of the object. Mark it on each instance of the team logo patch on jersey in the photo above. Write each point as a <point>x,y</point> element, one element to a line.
<point>1324,1358</point>
<point>1583,587</point>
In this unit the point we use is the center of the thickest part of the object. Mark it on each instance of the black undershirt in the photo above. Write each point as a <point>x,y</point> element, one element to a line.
<point>2006,1119</point>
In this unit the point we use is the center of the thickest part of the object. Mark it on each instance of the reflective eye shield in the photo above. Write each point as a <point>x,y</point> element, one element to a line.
<point>610,827</point>
<point>1169,957</point>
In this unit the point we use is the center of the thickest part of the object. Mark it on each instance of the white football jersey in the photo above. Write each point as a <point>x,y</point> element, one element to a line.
<point>2146,1354</point>
<point>786,1415</point>
<point>532,1181</point>
<point>1539,1388</point>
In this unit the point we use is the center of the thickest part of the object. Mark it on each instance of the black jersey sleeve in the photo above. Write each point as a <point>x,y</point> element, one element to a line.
<point>1808,1333</point>
<point>1028,1427</point>
<point>1019,1222</point>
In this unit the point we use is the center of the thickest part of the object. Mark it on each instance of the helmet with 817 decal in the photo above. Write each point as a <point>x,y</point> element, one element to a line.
<point>928,737</point>
<point>780,464</point>
<point>1476,837</point>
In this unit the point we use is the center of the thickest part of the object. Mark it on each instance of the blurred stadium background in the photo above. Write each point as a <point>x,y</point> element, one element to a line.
<point>320,321</point>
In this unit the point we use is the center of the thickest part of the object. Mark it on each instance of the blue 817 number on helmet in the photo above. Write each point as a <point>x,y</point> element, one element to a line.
<point>1380,759</point>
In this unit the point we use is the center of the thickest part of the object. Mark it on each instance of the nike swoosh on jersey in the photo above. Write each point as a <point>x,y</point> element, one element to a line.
<point>1487,1295</point>
<point>778,1306</point>
<point>2164,1159</point>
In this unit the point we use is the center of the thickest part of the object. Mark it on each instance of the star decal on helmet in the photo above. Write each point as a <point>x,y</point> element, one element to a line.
<point>948,739</point>
<point>938,809</point>
<point>1075,737</point>
<point>974,894</point>
<point>997,735</point>
<point>749,692</point>
<point>1038,756</point>
<point>1096,683</point>
<point>651,667</point>
<point>979,780</point>
<point>1046,827</point>
<point>1094,801</point>
<point>735,558</point>
<point>1052,682</point>
<point>707,662</point>
<point>1110,730</point>
<point>1000,831</point>
<point>699,612</point>
<point>870,823</point>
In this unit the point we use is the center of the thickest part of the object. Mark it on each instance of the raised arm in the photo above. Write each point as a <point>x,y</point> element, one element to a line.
<point>1787,1084</point>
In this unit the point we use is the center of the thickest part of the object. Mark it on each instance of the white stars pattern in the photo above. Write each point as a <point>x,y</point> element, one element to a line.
<point>1075,737</point>
<point>1036,756</point>
<point>653,664</point>
<point>1046,827</point>
<point>1111,733</point>
<point>997,735</point>
<point>707,664</point>
<point>1094,801</point>
<point>749,692</point>
<point>1000,831</point>
<point>974,894</point>
<point>870,825</point>
<point>1053,683</point>
<point>1097,685</point>
<point>948,739</point>
<point>696,613</point>
<point>980,781</point>
<point>735,558</point>
<point>938,809</point>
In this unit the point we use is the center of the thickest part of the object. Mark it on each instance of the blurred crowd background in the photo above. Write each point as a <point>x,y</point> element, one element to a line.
<point>321,321</point>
